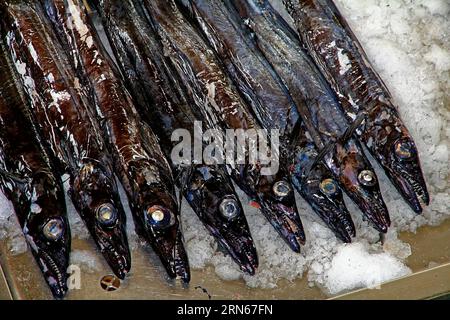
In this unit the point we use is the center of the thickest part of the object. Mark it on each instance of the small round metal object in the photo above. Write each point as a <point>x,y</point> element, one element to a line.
<point>53,229</point>
<point>110,283</point>
<point>159,217</point>
<point>106,215</point>
<point>281,188</point>
<point>229,208</point>
<point>367,178</point>
<point>403,149</point>
<point>328,187</point>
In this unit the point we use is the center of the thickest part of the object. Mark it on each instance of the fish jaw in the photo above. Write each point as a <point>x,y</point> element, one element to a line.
<point>47,233</point>
<point>92,191</point>
<point>281,209</point>
<point>208,191</point>
<point>398,155</point>
<point>327,204</point>
<point>407,176</point>
<point>168,245</point>
<point>51,256</point>
<point>157,220</point>
<point>359,180</point>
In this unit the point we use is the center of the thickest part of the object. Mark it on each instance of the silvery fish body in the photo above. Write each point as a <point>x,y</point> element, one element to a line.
<point>138,159</point>
<point>68,130</point>
<point>29,180</point>
<point>161,101</point>
<point>272,103</point>
<point>360,91</point>
<point>318,107</point>
<point>218,100</point>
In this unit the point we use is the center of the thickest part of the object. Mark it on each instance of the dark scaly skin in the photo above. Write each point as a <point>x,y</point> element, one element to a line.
<point>317,106</point>
<point>360,89</point>
<point>139,161</point>
<point>27,178</point>
<point>162,104</point>
<point>215,96</point>
<point>67,127</point>
<point>270,100</point>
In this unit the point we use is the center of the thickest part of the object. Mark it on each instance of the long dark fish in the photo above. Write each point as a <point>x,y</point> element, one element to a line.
<point>269,97</point>
<point>27,178</point>
<point>139,161</point>
<point>318,107</point>
<point>341,58</point>
<point>67,127</point>
<point>216,97</point>
<point>162,103</point>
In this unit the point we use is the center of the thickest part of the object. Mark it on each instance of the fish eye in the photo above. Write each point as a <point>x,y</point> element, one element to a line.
<point>159,218</point>
<point>106,215</point>
<point>329,187</point>
<point>53,229</point>
<point>367,178</point>
<point>229,208</point>
<point>404,149</point>
<point>281,189</point>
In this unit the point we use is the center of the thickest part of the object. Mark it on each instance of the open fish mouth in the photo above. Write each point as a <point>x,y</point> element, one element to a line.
<point>55,271</point>
<point>115,251</point>
<point>95,196</point>
<point>337,218</point>
<point>325,197</point>
<point>162,230</point>
<point>376,212</point>
<point>286,221</point>
<point>413,189</point>
<point>279,207</point>
<point>242,249</point>
<point>213,199</point>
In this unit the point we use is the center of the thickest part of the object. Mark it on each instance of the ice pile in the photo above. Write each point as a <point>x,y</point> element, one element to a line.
<point>409,45</point>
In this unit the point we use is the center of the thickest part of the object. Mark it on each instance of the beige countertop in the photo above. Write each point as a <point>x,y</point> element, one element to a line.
<point>21,278</point>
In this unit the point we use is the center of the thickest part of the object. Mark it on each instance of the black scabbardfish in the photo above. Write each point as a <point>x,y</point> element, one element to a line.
<point>318,107</point>
<point>162,103</point>
<point>28,179</point>
<point>271,101</point>
<point>66,126</point>
<point>214,95</point>
<point>138,159</point>
<point>360,90</point>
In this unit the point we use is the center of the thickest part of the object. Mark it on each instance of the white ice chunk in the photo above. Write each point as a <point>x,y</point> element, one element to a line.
<point>354,267</point>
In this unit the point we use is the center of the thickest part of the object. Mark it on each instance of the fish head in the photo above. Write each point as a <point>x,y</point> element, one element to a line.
<point>320,189</point>
<point>391,143</point>
<point>211,194</point>
<point>360,181</point>
<point>160,219</point>
<point>94,193</point>
<point>275,196</point>
<point>47,232</point>
<point>156,211</point>
<point>401,161</point>
<point>406,173</point>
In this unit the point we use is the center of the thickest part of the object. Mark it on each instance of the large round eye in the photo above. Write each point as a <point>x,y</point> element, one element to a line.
<point>106,215</point>
<point>281,189</point>
<point>229,208</point>
<point>404,149</point>
<point>367,178</point>
<point>159,218</point>
<point>53,229</point>
<point>329,187</point>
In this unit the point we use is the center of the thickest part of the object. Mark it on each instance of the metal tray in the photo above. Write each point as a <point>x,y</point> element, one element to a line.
<point>20,277</point>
